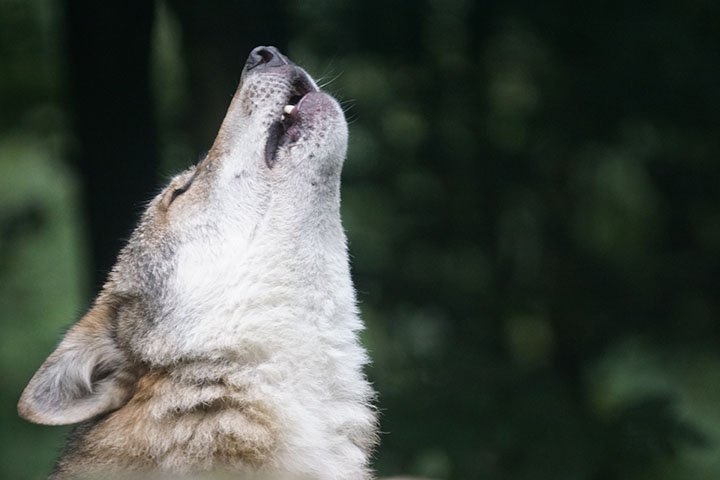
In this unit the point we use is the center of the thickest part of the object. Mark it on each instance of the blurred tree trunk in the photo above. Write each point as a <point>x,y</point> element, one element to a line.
<point>108,48</point>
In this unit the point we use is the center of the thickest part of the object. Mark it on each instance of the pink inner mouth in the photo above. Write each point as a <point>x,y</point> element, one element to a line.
<point>287,129</point>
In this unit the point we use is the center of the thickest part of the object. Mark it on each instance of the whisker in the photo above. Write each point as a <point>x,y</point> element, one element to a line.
<point>349,103</point>
<point>325,84</point>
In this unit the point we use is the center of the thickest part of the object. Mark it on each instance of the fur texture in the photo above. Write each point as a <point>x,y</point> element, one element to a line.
<point>226,336</point>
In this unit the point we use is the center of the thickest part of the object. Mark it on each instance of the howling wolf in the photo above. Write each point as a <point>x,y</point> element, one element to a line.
<point>225,339</point>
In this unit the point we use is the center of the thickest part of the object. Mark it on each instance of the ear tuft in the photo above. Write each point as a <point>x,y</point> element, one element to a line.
<point>85,376</point>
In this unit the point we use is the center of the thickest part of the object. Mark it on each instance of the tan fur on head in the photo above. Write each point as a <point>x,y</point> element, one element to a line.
<point>226,338</point>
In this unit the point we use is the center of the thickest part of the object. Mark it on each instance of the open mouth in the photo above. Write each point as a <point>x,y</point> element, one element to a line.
<point>286,129</point>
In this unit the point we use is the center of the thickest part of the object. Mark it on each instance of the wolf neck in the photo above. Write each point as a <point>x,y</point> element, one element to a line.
<point>296,358</point>
<point>285,365</point>
<point>297,261</point>
<point>282,392</point>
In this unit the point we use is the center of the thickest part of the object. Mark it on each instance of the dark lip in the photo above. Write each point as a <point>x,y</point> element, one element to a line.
<point>284,131</point>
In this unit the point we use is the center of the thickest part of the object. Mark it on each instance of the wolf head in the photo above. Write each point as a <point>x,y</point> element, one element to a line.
<point>235,256</point>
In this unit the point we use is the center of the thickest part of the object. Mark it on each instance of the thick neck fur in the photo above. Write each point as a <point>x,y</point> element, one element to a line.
<point>282,389</point>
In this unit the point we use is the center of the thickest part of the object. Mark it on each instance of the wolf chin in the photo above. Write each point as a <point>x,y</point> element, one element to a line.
<point>225,339</point>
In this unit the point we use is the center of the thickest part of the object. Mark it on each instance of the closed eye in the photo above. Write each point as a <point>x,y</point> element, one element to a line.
<point>193,172</point>
<point>177,192</point>
<point>180,190</point>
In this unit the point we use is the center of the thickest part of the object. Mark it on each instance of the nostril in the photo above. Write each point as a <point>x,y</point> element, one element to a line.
<point>257,57</point>
<point>265,56</point>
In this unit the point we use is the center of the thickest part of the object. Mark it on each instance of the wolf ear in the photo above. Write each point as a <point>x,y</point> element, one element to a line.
<point>83,377</point>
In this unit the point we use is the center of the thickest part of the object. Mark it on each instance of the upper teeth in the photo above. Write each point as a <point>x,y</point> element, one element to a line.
<point>289,109</point>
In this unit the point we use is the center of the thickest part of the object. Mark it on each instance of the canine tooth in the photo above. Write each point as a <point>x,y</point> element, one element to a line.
<point>289,109</point>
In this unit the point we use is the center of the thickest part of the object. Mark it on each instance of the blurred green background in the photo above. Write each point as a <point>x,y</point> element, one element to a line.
<point>532,199</point>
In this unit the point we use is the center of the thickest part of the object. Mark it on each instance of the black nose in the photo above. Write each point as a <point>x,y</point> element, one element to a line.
<point>265,57</point>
